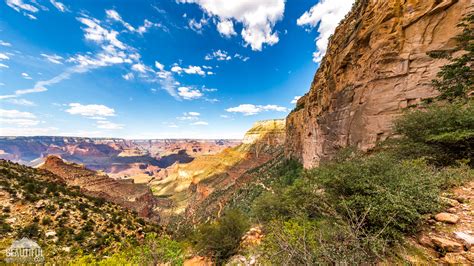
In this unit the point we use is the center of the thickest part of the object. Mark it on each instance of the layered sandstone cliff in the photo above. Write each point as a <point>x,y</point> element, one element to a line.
<point>376,65</point>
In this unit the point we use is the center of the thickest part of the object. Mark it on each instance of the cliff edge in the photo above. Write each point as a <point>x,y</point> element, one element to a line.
<point>376,65</point>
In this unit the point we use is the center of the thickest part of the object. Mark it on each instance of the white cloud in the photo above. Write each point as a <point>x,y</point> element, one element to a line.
<point>54,58</point>
<point>114,15</point>
<point>250,109</point>
<point>91,110</point>
<point>199,123</point>
<point>219,55</point>
<point>139,68</point>
<point>241,57</point>
<point>128,76</point>
<point>104,124</point>
<point>59,6</point>
<point>96,33</point>
<point>177,69</point>
<point>325,15</point>
<point>295,100</point>
<point>194,70</point>
<point>3,43</point>
<point>189,94</point>
<point>18,118</point>
<point>28,91</point>
<point>19,122</point>
<point>15,114</point>
<point>159,66</point>
<point>19,5</point>
<point>190,70</point>
<point>4,56</point>
<point>189,116</point>
<point>25,75</point>
<point>257,17</point>
<point>197,26</point>
<point>22,102</point>
<point>3,66</point>
<point>33,131</point>
<point>226,28</point>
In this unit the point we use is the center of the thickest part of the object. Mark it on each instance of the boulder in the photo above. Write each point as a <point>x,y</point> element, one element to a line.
<point>450,202</point>
<point>446,244</point>
<point>447,218</point>
<point>467,239</point>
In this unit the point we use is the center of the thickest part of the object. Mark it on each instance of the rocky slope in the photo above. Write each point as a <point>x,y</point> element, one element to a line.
<point>136,197</point>
<point>376,65</point>
<point>38,204</point>
<point>188,186</point>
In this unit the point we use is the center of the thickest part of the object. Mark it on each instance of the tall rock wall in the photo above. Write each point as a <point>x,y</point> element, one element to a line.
<point>376,65</point>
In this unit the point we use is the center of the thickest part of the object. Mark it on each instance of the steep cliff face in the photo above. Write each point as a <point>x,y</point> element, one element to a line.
<point>376,65</point>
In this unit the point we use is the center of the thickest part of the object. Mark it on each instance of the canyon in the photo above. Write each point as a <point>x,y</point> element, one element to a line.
<point>377,64</point>
<point>141,160</point>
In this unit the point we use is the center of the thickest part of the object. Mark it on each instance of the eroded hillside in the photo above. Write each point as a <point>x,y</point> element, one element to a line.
<point>188,185</point>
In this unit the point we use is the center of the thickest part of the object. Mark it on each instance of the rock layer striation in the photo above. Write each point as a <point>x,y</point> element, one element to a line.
<point>376,65</point>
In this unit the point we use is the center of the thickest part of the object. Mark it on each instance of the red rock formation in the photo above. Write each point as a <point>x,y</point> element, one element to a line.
<point>376,65</point>
<point>135,197</point>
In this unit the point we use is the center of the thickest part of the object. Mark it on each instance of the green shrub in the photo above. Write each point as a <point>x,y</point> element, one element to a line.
<point>390,195</point>
<point>46,221</point>
<point>221,239</point>
<point>442,134</point>
<point>324,242</point>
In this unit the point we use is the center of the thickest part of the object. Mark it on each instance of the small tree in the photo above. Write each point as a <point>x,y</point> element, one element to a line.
<point>456,80</point>
<point>221,239</point>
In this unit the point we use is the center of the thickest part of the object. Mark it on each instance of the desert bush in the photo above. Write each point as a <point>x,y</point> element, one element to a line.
<point>318,242</point>
<point>350,209</point>
<point>443,134</point>
<point>221,239</point>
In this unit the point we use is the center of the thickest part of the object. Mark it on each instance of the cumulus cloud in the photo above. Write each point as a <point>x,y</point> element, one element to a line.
<point>91,110</point>
<point>250,109</point>
<point>226,28</point>
<point>128,76</point>
<point>189,93</point>
<point>219,55</point>
<point>325,16</point>
<point>190,70</point>
<point>159,66</point>
<point>197,25</point>
<point>257,17</point>
<point>54,58</point>
<point>295,99</point>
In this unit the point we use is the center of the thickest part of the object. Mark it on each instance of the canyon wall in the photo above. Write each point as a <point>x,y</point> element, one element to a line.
<point>376,65</point>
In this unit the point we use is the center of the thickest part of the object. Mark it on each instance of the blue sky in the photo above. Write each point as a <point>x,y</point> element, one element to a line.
<point>157,69</point>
